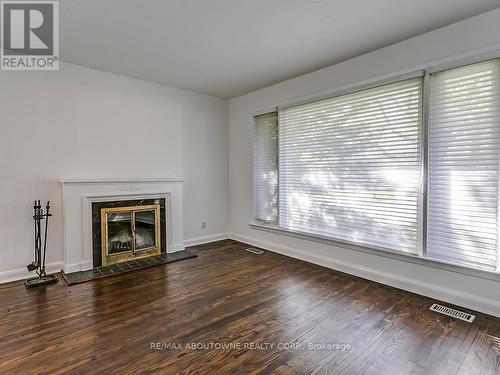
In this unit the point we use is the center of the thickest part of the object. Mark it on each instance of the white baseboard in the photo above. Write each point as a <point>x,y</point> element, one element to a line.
<point>22,273</point>
<point>206,239</point>
<point>452,296</point>
<point>175,248</point>
<point>77,267</point>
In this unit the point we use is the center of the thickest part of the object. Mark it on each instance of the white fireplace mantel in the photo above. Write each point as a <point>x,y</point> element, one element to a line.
<point>78,196</point>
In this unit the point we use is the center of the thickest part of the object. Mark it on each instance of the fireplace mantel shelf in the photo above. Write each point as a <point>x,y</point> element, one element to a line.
<point>120,181</point>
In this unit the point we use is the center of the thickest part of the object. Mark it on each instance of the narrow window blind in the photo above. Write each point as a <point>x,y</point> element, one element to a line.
<point>350,167</point>
<point>265,167</point>
<point>463,165</point>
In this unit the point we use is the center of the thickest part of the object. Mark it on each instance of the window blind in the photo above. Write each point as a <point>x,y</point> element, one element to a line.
<point>463,165</point>
<point>265,167</point>
<point>350,166</point>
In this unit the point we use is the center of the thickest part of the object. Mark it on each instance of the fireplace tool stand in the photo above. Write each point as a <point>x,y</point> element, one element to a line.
<point>38,264</point>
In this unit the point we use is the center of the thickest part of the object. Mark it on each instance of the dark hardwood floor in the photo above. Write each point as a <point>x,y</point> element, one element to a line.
<point>229,297</point>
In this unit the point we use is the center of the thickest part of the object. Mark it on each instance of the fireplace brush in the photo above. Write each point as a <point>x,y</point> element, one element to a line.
<point>38,264</point>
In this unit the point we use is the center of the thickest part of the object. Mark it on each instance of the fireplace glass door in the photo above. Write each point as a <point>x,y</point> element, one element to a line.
<point>145,229</point>
<point>120,234</point>
<point>130,232</point>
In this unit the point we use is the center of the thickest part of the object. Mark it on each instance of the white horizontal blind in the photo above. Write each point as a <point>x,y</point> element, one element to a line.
<point>350,166</point>
<point>265,167</point>
<point>463,165</point>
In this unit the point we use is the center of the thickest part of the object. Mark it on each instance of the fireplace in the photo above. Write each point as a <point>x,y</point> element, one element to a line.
<point>82,204</point>
<point>127,229</point>
<point>129,232</point>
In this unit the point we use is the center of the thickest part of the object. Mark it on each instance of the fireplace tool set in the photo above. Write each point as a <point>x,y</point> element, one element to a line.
<point>38,264</point>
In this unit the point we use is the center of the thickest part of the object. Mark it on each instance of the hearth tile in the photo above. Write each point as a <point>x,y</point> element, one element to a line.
<point>105,270</point>
<point>125,266</point>
<point>154,260</point>
<point>149,261</point>
<point>176,255</point>
<point>121,266</point>
<point>146,262</point>
<point>114,268</point>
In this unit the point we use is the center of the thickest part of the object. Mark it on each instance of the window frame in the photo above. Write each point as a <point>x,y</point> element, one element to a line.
<point>254,210</point>
<point>404,80</point>
<point>471,61</point>
<point>421,257</point>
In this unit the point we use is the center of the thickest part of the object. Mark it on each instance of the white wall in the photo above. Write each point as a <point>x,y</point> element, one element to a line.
<point>467,37</point>
<point>82,123</point>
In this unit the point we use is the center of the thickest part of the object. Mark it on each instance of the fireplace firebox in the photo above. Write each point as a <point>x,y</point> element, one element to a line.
<point>130,232</point>
<point>124,230</point>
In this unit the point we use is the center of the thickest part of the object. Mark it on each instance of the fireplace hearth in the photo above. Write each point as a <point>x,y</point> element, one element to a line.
<point>127,235</point>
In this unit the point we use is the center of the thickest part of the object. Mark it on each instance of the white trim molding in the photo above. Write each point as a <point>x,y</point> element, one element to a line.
<point>206,239</point>
<point>100,181</point>
<point>406,257</point>
<point>23,273</point>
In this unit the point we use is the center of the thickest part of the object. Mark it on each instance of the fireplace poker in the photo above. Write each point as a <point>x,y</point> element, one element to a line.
<point>47,215</point>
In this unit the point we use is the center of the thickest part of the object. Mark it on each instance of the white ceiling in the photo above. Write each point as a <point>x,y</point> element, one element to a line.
<point>229,47</point>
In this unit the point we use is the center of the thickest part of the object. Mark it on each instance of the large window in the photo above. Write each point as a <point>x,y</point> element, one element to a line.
<point>350,166</point>
<point>464,151</point>
<point>368,168</point>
